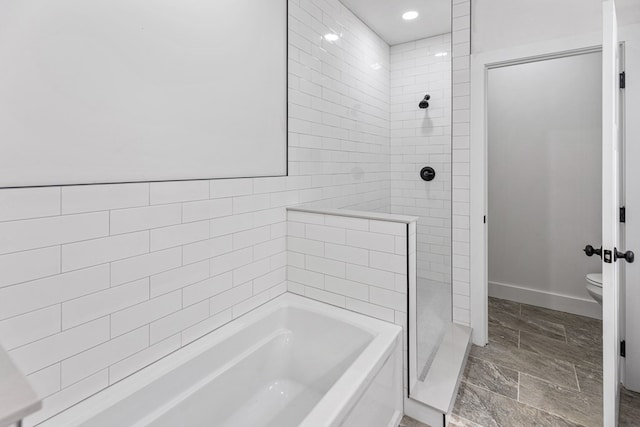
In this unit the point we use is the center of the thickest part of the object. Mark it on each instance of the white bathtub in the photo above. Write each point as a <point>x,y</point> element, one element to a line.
<point>291,362</point>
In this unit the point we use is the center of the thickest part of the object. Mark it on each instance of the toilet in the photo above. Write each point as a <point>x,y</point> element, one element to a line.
<point>594,286</point>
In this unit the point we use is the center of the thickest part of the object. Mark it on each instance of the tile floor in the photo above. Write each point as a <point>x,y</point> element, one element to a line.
<point>541,368</point>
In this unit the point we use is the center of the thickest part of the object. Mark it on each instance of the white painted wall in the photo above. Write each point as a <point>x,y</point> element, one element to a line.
<point>127,90</point>
<point>505,30</point>
<point>544,177</point>
<point>499,24</point>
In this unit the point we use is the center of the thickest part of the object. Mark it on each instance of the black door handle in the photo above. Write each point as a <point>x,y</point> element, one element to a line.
<point>590,251</point>
<point>627,256</point>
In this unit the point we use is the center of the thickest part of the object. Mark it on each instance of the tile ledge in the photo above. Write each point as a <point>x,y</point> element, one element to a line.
<point>377,216</point>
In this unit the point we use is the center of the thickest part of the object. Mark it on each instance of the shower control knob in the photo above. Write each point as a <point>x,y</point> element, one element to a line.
<point>428,173</point>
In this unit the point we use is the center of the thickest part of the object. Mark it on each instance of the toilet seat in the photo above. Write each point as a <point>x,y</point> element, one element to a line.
<point>595,279</point>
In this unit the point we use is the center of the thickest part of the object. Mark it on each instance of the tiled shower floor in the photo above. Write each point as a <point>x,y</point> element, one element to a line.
<point>541,368</point>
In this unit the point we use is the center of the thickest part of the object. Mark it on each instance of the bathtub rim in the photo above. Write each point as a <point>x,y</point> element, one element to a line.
<point>332,405</point>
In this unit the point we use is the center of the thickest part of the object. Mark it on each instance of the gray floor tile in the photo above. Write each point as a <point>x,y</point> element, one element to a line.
<point>533,324</point>
<point>557,357</point>
<point>457,421</point>
<point>493,410</point>
<point>584,336</point>
<point>589,379</point>
<point>561,317</point>
<point>492,377</point>
<point>629,409</point>
<point>629,417</point>
<point>585,332</point>
<point>581,408</point>
<point>580,330</point>
<point>505,306</point>
<point>503,335</point>
<point>629,398</point>
<point>588,356</point>
<point>410,422</point>
<point>543,367</point>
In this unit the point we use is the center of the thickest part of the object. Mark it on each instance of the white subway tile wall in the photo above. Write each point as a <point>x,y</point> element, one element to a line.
<point>419,138</point>
<point>461,38</point>
<point>370,275</point>
<point>116,276</point>
<point>349,275</point>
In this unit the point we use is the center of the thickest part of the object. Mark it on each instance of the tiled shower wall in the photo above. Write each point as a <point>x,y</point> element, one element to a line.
<point>356,263</point>
<point>98,281</point>
<point>423,138</point>
<point>338,106</point>
<point>461,76</point>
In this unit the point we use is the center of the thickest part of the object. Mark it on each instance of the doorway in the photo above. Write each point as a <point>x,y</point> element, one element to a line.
<point>544,158</point>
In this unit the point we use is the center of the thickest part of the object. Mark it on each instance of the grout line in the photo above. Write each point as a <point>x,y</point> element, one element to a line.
<point>487,390</point>
<point>576,374</point>
<point>520,310</point>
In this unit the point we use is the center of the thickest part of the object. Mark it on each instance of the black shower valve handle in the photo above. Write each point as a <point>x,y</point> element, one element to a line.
<point>590,251</point>
<point>427,173</point>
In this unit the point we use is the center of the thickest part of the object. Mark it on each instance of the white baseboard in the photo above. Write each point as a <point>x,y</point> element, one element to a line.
<point>554,301</point>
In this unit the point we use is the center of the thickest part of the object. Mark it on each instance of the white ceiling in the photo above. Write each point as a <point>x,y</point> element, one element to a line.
<point>385,18</point>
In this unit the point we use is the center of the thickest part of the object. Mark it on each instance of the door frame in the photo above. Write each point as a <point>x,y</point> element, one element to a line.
<point>630,35</point>
<point>481,63</point>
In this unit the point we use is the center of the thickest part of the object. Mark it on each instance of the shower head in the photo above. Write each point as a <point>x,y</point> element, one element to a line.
<point>424,104</point>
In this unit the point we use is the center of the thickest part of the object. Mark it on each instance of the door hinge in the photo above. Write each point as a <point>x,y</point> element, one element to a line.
<point>484,219</point>
<point>623,214</point>
<point>623,80</point>
<point>623,348</point>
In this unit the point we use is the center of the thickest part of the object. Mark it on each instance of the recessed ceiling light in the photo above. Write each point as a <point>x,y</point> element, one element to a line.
<point>408,16</point>
<point>331,37</point>
<point>441,54</point>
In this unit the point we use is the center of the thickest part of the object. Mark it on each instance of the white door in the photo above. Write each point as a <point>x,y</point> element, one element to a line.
<point>610,211</point>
